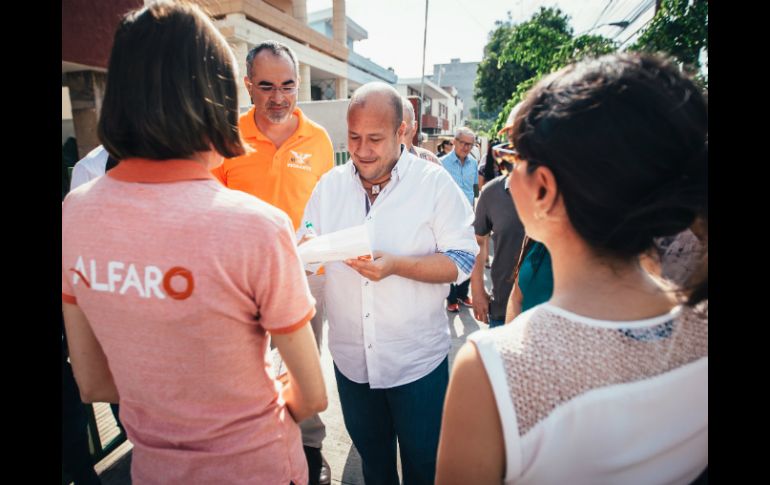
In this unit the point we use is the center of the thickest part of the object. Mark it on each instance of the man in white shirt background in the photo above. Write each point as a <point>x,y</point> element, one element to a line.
<point>388,331</point>
<point>93,165</point>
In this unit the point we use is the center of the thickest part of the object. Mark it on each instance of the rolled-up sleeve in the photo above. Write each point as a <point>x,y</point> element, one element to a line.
<point>453,226</point>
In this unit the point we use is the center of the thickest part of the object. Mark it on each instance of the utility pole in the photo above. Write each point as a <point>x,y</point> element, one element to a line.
<point>422,82</point>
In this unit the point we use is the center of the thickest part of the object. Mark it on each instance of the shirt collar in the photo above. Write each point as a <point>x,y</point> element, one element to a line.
<point>159,171</point>
<point>250,130</point>
<point>507,183</point>
<point>457,159</point>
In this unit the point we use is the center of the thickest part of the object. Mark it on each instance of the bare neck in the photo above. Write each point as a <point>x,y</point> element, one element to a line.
<point>597,287</point>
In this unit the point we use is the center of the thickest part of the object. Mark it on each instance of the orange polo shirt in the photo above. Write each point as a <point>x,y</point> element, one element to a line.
<point>283,177</point>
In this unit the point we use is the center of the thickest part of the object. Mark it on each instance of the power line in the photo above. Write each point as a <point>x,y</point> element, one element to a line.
<point>637,30</point>
<point>600,15</point>
<point>640,10</point>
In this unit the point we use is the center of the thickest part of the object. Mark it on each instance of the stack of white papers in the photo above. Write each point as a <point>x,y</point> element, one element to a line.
<point>336,246</point>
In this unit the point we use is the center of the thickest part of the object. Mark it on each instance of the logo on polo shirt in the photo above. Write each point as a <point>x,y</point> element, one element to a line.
<point>299,160</point>
<point>146,281</point>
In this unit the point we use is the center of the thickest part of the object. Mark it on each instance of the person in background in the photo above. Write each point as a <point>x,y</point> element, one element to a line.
<point>290,154</point>
<point>607,382</point>
<point>444,148</point>
<point>411,127</point>
<point>487,171</point>
<point>495,214</point>
<point>93,165</point>
<point>532,279</point>
<point>176,280</point>
<point>463,169</point>
<point>489,167</point>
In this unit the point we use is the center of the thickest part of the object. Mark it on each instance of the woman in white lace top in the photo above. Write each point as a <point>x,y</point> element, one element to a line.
<point>607,381</point>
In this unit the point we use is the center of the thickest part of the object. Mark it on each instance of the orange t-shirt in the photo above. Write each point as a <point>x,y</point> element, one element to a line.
<point>283,177</point>
<point>183,321</point>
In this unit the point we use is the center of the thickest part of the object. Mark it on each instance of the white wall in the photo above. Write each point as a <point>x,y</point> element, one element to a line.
<point>332,115</point>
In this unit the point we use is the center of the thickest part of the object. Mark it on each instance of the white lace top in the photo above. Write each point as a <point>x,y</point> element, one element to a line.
<point>590,401</point>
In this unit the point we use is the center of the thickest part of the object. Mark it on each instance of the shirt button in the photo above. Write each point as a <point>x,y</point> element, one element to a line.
<point>366,316</point>
<point>370,346</point>
<point>366,283</point>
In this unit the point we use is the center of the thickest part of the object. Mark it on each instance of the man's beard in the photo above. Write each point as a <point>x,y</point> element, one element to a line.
<point>279,118</point>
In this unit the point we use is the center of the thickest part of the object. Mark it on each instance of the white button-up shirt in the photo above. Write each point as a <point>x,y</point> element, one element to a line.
<point>393,331</point>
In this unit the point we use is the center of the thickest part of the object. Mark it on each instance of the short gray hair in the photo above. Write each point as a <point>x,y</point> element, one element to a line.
<point>464,130</point>
<point>277,49</point>
<point>408,110</point>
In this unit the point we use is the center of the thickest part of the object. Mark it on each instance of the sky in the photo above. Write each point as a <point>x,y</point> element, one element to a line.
<point>460,28</point>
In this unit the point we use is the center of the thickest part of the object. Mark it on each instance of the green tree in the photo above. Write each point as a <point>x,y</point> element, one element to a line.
<point>679,29</point>
<point>546,45</point>
<point>517,56</point>
<point>535,44</point>
<point>493,78</point>
<point>516,53</point>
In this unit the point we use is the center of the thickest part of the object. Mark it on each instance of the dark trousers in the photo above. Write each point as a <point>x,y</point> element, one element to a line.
<point>411,414</point>
<point>458,292</point>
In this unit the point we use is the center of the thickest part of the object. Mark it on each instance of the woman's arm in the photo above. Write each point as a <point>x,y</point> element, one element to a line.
<point>514,303</point>
<point>89,364</point>
<point>305,390</point>
<point>471,447</point>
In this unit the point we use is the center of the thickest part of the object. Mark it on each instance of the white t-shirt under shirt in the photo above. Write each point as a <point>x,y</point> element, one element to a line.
<point>585,401</point>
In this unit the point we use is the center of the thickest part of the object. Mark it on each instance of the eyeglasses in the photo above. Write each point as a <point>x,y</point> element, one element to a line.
<point>268,89</point>
<point>464,143</point>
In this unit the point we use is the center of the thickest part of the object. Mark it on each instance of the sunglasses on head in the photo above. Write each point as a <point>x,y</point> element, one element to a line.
<point>505,152</point>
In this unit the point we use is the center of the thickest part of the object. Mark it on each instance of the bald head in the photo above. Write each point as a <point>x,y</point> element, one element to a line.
<point>378,96</point>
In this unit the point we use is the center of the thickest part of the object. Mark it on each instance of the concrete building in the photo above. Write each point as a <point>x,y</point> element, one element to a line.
<point>361,70</point>
<point>461,75</point>
<point>328,67</point>
<point>88,27</point>
<point>444,108</point>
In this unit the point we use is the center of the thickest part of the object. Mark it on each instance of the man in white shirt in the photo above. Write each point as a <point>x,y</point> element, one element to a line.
<point>388,332</point>
<point>91,166</point>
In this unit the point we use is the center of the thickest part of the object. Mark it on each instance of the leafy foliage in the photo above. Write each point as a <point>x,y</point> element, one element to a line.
<point>517,56</point>
<point>678,29</point>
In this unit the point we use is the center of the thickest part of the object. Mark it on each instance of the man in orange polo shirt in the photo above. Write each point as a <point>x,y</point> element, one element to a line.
<point>290,154</point>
